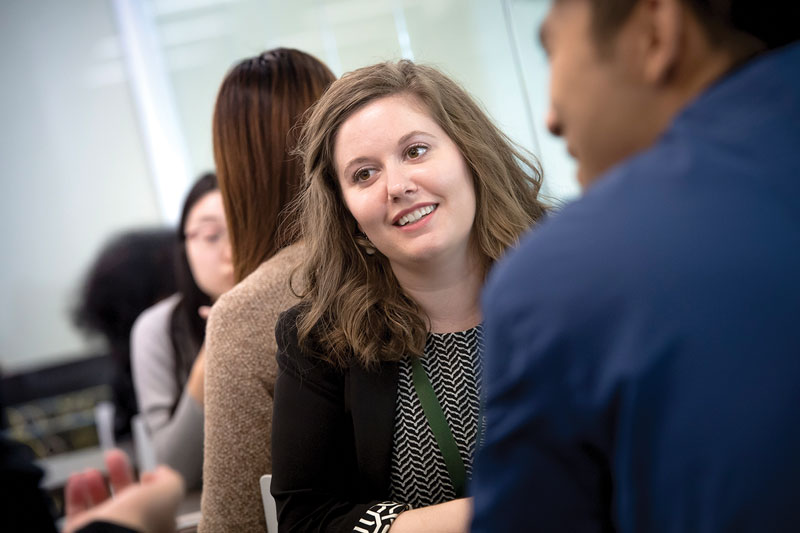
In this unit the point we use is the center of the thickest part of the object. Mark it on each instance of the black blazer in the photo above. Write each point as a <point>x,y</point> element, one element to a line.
<point>332,432</point>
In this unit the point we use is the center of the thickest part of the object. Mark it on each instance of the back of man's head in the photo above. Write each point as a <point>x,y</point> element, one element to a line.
<point>728,23</point>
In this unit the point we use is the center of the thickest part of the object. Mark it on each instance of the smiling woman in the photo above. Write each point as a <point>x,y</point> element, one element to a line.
<point>411,194</point>
<point>505,183</point>
<point>407,186</point>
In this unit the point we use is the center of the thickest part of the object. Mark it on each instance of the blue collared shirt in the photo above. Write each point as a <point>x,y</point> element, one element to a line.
<point>642,364</point>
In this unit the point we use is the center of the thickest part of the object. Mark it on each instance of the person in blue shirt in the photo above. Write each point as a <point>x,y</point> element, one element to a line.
<point>642,364</point>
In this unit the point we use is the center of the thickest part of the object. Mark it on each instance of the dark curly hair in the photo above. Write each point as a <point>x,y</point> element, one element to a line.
<point>133,271</point>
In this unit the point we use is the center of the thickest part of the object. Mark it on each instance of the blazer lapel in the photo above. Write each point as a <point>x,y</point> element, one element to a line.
<point>372,395</point>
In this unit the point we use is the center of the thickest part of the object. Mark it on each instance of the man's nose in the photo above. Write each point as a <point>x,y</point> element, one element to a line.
<point>552,122</point>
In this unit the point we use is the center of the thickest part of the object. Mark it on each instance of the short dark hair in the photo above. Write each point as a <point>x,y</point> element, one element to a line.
<point>773,23</point>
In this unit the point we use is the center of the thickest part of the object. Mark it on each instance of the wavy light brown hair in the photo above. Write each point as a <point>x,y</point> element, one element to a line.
<point>255,132</point>
<point>353,306</point>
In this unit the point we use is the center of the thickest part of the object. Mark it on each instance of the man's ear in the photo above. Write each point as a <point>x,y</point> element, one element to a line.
<point>664,36</point>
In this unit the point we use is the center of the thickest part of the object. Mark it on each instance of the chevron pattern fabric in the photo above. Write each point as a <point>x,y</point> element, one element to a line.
<point>453,363</point>
<point>379,517</point>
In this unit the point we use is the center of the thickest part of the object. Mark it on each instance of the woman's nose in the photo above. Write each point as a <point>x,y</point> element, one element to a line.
<point>400,184</point>
<point>227,251</point>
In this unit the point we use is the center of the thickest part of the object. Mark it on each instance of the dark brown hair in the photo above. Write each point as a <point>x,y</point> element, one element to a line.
<point>255,118</point>
<point>187,329</point>
<point>353,306</point>
<point>728,23</point>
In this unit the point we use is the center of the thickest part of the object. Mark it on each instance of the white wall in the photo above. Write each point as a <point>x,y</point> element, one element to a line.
<point>73,158</point>
<point>71,167</point>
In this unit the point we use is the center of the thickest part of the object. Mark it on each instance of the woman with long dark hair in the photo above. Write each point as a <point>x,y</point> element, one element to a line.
<point>167,339</point>
<point>257,119</point>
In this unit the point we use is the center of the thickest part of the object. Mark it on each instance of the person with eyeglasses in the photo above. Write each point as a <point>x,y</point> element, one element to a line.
<point>167,353</point>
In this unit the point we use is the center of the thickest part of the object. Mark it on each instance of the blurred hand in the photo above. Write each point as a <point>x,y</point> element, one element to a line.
<point>449,517</point>
<point>148,506</point>
<point>196,382</point>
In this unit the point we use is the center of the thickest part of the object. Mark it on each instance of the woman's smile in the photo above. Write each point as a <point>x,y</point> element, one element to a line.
<point>407,218</point>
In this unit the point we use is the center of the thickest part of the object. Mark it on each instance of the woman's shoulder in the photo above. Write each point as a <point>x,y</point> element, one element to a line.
<point>290,350</point>
<point>305,362</point>
<point>286,329</point>
<point>150,336</point>
<point>278,266</point>
<point>265,290</point>
<point>157,316</point>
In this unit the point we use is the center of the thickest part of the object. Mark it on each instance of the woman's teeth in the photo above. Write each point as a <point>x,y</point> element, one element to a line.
<point>416,215</point>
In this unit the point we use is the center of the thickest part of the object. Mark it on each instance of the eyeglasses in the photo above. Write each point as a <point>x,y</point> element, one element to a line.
<point>208,235</point>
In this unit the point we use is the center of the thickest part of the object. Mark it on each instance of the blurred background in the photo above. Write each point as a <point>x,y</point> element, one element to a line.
<point>106,110</point>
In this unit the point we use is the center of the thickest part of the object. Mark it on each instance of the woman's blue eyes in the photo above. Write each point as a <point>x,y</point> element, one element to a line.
<point>412,152</point>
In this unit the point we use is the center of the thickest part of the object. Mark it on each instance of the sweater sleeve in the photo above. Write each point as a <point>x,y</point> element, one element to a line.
<point>240,379</point>
<point>177,436</point>
<point>315,478</point>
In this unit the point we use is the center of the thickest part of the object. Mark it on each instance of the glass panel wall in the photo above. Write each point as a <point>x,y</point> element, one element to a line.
<point>88,122</point>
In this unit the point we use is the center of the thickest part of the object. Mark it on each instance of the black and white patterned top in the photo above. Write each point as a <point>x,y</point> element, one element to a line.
<point>419,475</point>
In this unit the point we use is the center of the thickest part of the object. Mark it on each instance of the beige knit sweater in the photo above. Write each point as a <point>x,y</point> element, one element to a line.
<point>239,384</point>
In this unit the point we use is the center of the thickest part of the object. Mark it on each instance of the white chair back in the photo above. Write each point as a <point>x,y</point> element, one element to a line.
<point>104,424</point>
<point>270,511</point>
<point>143,445</point>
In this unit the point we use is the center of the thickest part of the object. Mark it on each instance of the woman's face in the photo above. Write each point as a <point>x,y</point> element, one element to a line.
<point>207,246</point>
<point>405,182</point>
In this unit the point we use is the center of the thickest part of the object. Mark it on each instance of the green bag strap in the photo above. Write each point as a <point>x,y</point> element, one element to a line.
<point>441,429</point>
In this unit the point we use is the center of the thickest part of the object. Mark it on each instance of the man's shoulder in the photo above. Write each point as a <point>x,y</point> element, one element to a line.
<point>568,235</point>
<point>600,241</point>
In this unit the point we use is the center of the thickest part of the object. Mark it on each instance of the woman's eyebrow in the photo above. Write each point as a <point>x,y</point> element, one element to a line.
<point>206,219</point>
<point>355,161</point>
<point>404,139</point>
